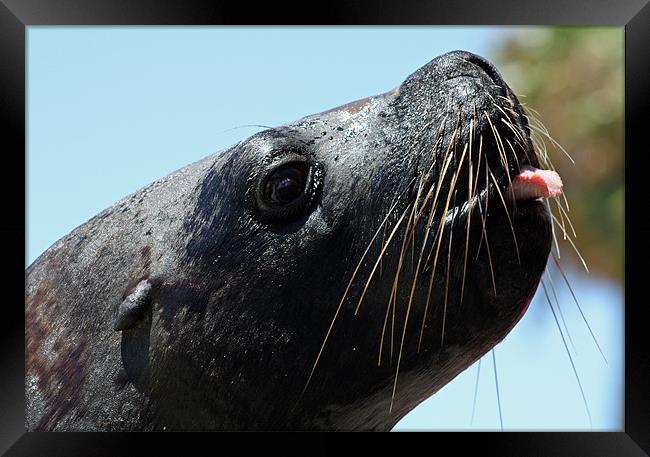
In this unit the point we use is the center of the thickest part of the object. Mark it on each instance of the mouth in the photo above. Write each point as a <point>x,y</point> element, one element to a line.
<point>527,189</point>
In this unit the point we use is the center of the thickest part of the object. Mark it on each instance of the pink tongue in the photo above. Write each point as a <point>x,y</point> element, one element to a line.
<point>534,183</point>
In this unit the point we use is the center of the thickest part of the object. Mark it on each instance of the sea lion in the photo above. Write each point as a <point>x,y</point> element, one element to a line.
<point>330,273</point>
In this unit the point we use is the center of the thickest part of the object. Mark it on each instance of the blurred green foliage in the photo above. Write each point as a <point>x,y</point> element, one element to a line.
<point>573,79</point>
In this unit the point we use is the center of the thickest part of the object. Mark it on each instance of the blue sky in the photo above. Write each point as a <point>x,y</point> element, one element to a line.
<point>112,109</point>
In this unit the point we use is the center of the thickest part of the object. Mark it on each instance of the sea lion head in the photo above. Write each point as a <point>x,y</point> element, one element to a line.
<point>332,272</point>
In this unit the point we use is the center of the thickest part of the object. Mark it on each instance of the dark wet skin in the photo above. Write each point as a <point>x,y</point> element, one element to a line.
<point>247,254</point>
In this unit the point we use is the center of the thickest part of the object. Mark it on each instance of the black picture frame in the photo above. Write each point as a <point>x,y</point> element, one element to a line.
<point>16,15</point>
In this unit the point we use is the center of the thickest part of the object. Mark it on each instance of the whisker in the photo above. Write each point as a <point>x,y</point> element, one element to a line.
<point>338,309</point>
<point>478,164</point>
<point>568,238</point>
<point>383,243</point>
<point>392,300</point>
<point>447,161</point>
<point>478,173</point>
<point>553,222</point>
<point>540,149</point>
<point>444,311</point>
<point>559,308</point>
<point>552,140</point>
<point>575,371</point>
<point>426,238</point>
<point>438,235</point>
<point>392,327</point>
<point>487,245</point>
<point>496,383</point>
<point>473,191</point>
<point>415,210</point>
<point>383,330</point>
<point>542,145</point>
<point>478,374</point>
<point>502,154</point>
<point>505,207</point>
<point>564,234</point>
<point>518,136</point>
<point>396,282</point>
<point>470,193</point>
<point>511,125</point>
<point>367,250</point>
<point>381,254</point>
<point>575,299</point>
<point>568,219</point>
<point>408,308</point>
<point>514,153</point>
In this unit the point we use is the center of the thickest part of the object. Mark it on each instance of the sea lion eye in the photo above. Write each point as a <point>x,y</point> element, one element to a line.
<point>286,184</point>
<point>287,190</point>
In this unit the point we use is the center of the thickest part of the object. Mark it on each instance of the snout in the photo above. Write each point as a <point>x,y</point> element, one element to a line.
<point>460,103</point>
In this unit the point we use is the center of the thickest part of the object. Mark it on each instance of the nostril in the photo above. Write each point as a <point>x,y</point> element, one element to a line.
<point>477,62</point>
<point>486,66</point>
